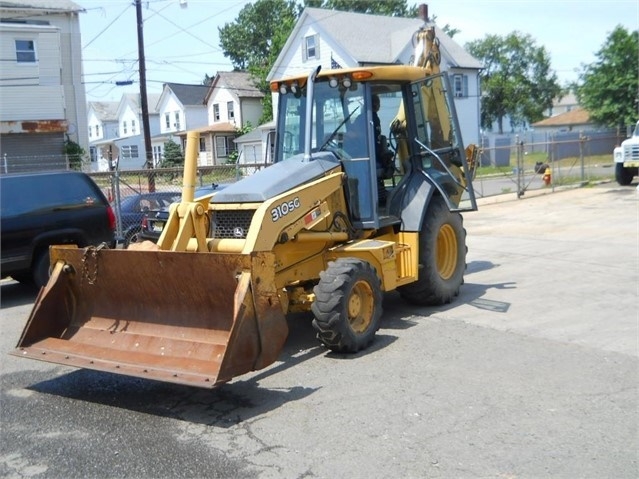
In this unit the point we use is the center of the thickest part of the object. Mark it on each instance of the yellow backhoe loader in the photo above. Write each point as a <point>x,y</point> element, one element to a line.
<point>345,213</point>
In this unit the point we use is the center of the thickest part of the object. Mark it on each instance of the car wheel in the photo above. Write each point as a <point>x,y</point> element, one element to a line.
<point>132,237</point>
<point>41,269</point>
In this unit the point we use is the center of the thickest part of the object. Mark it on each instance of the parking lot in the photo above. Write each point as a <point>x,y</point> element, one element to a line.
<point>531,373</point>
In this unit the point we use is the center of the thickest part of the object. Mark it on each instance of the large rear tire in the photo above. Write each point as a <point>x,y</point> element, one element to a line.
<point>347,306</point>
<point>442,258</point>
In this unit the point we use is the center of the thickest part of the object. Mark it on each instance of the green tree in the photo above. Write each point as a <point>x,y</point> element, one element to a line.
<point>251,39</point>
<point>516,81</point>
<point>254,40</point>
<point>75,153</point>
<point>609,87</point>
<point>173,155</point>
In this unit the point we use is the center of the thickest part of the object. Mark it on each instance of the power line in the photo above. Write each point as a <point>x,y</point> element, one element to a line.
<point>106,28</point>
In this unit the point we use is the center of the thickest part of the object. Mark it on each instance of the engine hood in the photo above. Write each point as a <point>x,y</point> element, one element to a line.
<point>277,179</point>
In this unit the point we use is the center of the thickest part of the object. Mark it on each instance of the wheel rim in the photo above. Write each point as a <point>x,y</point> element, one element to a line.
<point>360,306</point>
<point>446,255</point>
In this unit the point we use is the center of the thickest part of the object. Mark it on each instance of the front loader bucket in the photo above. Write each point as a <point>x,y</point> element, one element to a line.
<point>190,318</point>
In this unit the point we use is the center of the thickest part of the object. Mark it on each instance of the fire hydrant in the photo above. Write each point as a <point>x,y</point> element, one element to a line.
<point>547,176</point>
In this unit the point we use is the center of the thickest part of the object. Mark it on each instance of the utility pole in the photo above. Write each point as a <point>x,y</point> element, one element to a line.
<point>146,129</point>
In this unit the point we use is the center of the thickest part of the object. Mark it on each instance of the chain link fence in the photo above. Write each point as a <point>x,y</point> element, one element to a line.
<point>31,164</point>
<point>528,161</point>
<point>507,164</point>
<point>147,185</point>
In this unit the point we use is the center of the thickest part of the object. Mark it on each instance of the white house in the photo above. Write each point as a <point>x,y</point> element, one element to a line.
<point>181,107</point>
<point>335,39</point>
<point>41,90</point>
<point>232,102</point>
<point>103,127</point>
<point>122,133</point>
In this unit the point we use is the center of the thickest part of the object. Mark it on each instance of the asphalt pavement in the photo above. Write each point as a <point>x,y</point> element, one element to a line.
<point>531,373</point>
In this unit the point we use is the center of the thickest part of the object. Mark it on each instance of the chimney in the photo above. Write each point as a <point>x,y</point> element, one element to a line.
<point>423,12</point>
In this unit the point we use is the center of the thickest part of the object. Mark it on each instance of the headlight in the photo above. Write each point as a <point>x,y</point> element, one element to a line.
<point>618,155</point>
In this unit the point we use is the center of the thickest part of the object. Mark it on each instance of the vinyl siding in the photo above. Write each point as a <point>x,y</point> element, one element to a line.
<point>50,89</point>
<point>45,103</point>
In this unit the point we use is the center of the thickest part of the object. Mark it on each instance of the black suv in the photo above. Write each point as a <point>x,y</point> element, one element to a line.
<point>42,209</point>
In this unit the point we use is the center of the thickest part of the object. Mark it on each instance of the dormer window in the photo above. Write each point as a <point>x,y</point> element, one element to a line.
<point>311,47</point>
<point>124,128</point>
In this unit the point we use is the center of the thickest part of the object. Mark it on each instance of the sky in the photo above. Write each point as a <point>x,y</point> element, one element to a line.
<point>181,40</point>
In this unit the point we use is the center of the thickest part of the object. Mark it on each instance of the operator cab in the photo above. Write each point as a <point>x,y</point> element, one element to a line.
<point>379,150</point>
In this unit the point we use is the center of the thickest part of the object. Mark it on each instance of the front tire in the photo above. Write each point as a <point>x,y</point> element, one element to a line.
<point>442,258</point>
<point>347,306</point>
<point>623,175</point>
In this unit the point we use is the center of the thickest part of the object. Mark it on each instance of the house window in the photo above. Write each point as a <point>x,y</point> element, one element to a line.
<point>124,128</point>
<point>133,127</point>
<point>311,47</point>
<point>97,130</point>
<point>223,146</point>
<point>229,109</point>
<point>177,121</point>
<point>216,112</point>
<point>25,51</point>
<point>167,121</point>
<point>90,132</point>
<point>202,144</point>
<point>460,86</point>
<point>129,151</point>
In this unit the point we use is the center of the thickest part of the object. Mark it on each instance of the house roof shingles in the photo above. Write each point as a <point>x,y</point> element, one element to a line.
<point>381,39</point>
<point>105,110</point>
<point>575,117</point>
<point>239,83</point>
<point>189,95</point>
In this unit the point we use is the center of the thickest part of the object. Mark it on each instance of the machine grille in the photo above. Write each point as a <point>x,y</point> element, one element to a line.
<point>631,152</point>
<point>232,224</point>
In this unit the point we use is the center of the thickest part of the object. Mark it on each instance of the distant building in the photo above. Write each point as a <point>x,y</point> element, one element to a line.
<point>232,102</point>
<point>335,39</point>
<point>103,128</point>
<point>572,120</point>
<point>41,91</point>
<point>181,107</point>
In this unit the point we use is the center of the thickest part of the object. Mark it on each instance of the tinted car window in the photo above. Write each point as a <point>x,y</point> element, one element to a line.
<point>59,194</point>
